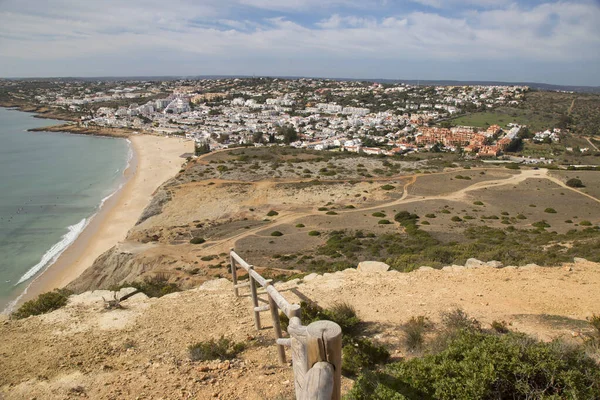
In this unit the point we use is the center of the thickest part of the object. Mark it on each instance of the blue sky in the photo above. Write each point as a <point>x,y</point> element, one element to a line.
<point>504,40</point>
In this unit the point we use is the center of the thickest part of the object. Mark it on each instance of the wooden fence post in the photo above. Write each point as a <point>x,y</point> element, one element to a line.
<point>319,382</point>
<point>254,298</point>
<point>277,328</point>
<point>233,273</point>
<point>324,343</point>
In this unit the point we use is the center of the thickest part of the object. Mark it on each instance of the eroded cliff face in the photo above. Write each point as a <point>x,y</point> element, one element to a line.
<point>131,262</point>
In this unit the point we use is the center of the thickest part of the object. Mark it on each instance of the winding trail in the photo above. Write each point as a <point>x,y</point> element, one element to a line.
<point>292,217</point>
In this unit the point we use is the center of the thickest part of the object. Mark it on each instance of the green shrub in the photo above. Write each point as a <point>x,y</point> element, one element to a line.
<point>430,216</point>
<point>425,223</point>
<point>360,354</point>
<point>541,224</point>
<point>575,183</point>
<point>521,216</point>
<point>378,214</point>
<point>414,332</point>
<point>405,218</point>
<point>156,286</point>
<point>383,222</point>
<point>343,314</point>
<point>197,240</point>
<point>500,327</point>
<point>444,211</point>
<point>456,320</point>
<point>323,209</point>
<point>331,213</point>
<point>478,203</point>
<point>585,223</point>
<point>388,187</point>
<point>207,258</point>
<point>272,213</point>
<point>476,365</point>
<point>550,210</point>
<point>222,349</point>
<point>456,218</point>
<point>300,225</point>
<point>44,303</point>
<point>276,233</point>
<point>314,233</point>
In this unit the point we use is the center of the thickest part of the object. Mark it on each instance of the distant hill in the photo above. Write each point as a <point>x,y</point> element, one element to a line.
<point>535,85</point>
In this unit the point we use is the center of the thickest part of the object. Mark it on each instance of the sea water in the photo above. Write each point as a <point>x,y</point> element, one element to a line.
<point>51,184</point>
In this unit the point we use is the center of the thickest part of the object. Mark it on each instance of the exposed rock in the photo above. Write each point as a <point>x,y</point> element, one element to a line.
<point>425,268</point>
<point>530,266</point>
<point>310,277</point>
<point>579,260</point>
<point>494,264</point>
<point>474,263</point>
<point>155,207</point>
<point>372,266</point>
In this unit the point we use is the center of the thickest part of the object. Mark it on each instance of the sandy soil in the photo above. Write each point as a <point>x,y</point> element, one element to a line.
<point>156,160</point>
<point>140,351</point>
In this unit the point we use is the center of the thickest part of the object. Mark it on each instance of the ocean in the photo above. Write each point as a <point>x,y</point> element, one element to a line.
<point>51,184</point>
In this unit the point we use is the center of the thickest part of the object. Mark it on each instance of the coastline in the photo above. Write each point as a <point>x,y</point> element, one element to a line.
<point>155,160</point>
<point>91,130</point>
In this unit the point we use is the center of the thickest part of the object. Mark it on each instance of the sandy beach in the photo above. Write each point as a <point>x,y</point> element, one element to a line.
<point>156,159</point>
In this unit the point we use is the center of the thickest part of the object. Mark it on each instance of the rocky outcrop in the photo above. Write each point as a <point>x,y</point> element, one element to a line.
<point>155,207</point>
<point>120,264</point>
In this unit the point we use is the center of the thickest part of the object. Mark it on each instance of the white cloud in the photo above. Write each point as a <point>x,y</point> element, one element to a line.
<point>62,29</point>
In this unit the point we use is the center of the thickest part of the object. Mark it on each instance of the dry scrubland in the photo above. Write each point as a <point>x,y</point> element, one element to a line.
<point>141,350</point>
<point>295,212</point>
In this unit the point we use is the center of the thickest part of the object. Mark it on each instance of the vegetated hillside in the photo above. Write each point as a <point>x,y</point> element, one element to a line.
<point>297,212</point>
<point>141,349</point>
<point>540,110</point>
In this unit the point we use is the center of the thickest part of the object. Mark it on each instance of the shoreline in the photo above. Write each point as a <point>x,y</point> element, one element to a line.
<point>155,160</point>
<point>85,130</point>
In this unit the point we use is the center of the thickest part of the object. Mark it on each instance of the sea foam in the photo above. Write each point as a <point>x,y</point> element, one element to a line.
<point>55,251</point>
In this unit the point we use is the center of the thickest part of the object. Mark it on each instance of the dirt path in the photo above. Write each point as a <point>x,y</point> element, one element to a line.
<point>592,144</point>
<point>570,110</point>
<point>292,217</point>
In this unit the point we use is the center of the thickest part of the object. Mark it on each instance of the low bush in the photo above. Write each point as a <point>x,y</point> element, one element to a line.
<point>500,327</point>
<point>300,225</point>
<point>585,223</point>
<point>550,210</point>
<point>222,349</point>
<point>541,224</point>
<point>456,218</point>
<point>156,286</point>
<point>388,187</point>
<point>478,203</point>
<point>360,354</point>
<point>276,233</point>
<point>331,213</point>
<point>314,233</point>
<point>378,214</point>
<point>430,216</point>
<point>414,332</point>
<point>197,240</point>
<point>272,213</point>
<point>44,303</point>
<point>478,365</point>
<point>575,183</point>
<point>383,222</point>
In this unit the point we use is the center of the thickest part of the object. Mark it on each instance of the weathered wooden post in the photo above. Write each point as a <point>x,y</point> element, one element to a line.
<point>233,273</point>
<point>319,382</point>
<point>277,328</point>
<point>324,344</point>
<point>254,298</point>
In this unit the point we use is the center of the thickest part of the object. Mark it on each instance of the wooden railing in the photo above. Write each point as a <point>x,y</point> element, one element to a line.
<point>316,349</point>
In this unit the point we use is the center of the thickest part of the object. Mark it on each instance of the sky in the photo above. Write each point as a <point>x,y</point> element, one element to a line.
<point>542,41</point>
